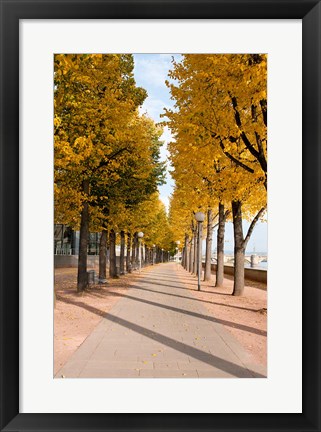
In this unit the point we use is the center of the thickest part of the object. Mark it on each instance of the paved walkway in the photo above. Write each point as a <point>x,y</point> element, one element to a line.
<point>154,331</point>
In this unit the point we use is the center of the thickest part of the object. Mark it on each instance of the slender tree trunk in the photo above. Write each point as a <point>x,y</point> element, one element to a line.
<point>184,252</point>
<point>112,246</point>
<point>138,252</point>
<point>187,253</point>
<point>240,244</point>
<point>195,252</point>
<point>191,252</point>
<point>102,257</point>
<point>134,251</point>
<point>146,255</point>
<point>239,250</point>
<point>108,252</point>
<point>128,263</point>
<point>82,277</point>
<point>208,255</point>
<point>220,246</point>
<point>122,253</point>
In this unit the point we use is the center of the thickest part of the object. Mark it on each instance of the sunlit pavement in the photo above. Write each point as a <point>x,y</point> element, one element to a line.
<point>154,331</point>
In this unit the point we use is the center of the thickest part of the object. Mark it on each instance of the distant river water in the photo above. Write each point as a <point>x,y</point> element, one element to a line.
<point>261,265</point>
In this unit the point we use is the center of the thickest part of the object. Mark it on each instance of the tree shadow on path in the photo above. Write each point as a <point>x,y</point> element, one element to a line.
<point>210,359</point>
<point>197,300</point>
<point>194,314</point>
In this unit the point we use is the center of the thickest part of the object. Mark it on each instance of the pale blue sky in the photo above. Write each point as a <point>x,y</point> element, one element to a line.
<point>150,73</point>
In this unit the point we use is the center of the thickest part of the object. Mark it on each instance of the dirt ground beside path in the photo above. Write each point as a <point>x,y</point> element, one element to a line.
<point>76,315</point>
<point>248,311</point>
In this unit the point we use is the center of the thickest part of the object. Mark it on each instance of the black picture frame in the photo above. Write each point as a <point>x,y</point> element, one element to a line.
<point>11,12</point>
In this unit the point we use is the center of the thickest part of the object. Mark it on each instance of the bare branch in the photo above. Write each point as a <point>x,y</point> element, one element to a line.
<point>226,214</point>
<point>251,227</point>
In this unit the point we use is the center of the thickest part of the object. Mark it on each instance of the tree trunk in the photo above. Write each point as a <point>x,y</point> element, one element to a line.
<point>191,251</point>
<point>122,253</point>
<point>195,252</point>
<point>82,277</point>
<point>138,252</point>
<point>108,252</point>
<point>112,247</point>
<point>208,255</point>
<point>220,246</point>
<point>146,255</point>
<point>134,251</point>
<point>239,250</point>
<point>128,263</point>
<point>187,253</point>
<point>102,257</point>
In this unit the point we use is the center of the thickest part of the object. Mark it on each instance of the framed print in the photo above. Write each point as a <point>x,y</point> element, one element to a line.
<point>49,381</point>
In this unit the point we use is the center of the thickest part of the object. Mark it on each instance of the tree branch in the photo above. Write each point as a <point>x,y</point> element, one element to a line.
<point>249,146</point>
<point>263,105</point>
<point>233,159</point>
<point>259,143</point>
<point>110,158</point>
<point>227,213</point>
<point>261,158</point>
<point>213,219</point>
<point>215,216</point>
<point>251,227</point>
<point>236,112</point>
<point>238,122</point>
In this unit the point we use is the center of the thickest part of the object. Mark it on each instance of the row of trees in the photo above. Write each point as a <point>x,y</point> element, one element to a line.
<point>107,165</point>
<point>219,155</point>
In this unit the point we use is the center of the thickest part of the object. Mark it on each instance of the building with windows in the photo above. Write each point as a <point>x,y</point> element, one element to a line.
<point>66,246</point>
